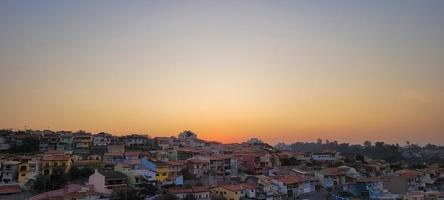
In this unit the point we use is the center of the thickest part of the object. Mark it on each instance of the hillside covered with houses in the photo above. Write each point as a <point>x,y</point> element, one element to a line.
<point>47,165</point>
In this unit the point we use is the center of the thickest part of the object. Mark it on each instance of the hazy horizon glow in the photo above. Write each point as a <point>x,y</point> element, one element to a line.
<point>227,70</point>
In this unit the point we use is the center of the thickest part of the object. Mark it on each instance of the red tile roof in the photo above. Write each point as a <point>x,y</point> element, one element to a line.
<point>198,161</point>
<point>332,171</point>
<point>290,179</point>
<point>409,174</point>
<point>56,157</point>
<point>10,189</point>
<point>233,188</point>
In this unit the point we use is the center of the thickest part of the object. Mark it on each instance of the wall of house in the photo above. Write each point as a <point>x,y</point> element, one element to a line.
<point>98,182</point>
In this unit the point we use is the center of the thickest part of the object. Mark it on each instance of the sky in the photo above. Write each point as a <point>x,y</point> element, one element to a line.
<point>281,71</point>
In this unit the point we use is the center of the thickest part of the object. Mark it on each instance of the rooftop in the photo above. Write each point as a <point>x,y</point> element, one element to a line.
<point>111,174</point>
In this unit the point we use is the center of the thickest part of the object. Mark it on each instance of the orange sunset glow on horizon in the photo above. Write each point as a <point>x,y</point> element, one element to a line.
<point>281,71</point>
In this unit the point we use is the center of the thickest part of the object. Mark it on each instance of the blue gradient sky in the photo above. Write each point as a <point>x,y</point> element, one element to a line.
<point>228,70</point>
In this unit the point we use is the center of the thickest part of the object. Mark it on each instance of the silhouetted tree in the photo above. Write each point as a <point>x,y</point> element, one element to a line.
<point>124,193</point>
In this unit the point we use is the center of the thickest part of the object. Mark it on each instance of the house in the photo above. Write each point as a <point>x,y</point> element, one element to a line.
<point>294,186</point>
<point>9,171</point>
<point>82,153</point>
<point>162,171</point>
<point>350,173</point>
<point>28,170</point>
<point>135,168</point>
<point>135,140</point>
<point>69,192</point>
<point>65,142</point>
<point>115,148</point>
<point>198,167</point>
<point>229,192</point>
<point>303,173</point>
<point>52,161</point>
<point>101,139</point>
<point>404,181</point>
<point>104,181</point>
<point>198,192</point>
<point>5,142</point>
<point>265,188</point>
<point>375,168</point>
<point>366,188</point>
<point>256,163</point>
<point>114,157</point>
<point>326,156</point>
<point>162,155</point>
<point>221,165</point>
<point>132,155</point>
<point>165,173</point>
<point>176,167</point>
<point>250,190</point>
<point>330,177</point>
<point>82,140</point>
<point>163,142</point>
<point>48,141</point>
<point>184,153</point>
<point>151,169</point>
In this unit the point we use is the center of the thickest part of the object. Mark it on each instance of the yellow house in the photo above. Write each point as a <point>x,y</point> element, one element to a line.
<point>53,161</point>
<point>162,171</point>
<point>229,192</point>
<point>28,170</point>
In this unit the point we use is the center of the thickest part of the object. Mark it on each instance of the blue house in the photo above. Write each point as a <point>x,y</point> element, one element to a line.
<point>368,188</point>
<point>151,166</point>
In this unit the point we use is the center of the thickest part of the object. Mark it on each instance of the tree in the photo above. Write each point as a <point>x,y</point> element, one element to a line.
<point>147,188</point>
<point>367,144</point>
<point>80,174</point>
<point>29,145</point>
<point>124,193</point>
<point>56,180</point>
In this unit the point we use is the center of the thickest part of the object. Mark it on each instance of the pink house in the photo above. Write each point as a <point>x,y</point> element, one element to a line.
<point>104,181</point>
